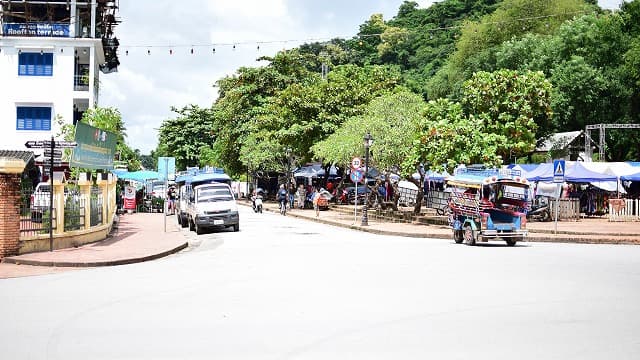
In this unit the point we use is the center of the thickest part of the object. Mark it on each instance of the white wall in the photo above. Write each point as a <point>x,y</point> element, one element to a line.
<point>56,91</point>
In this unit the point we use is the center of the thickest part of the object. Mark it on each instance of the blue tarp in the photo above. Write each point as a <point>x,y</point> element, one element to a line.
<point>141,176</point>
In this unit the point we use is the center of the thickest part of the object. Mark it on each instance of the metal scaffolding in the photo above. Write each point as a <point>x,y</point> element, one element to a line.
<point>602,140</point>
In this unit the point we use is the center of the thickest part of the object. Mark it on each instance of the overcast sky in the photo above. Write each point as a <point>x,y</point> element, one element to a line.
<point>146,86</point>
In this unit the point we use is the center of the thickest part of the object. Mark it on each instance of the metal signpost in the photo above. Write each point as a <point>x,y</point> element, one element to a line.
<point>54,158</point>
<point>356,176</point>
<point>558,178</point>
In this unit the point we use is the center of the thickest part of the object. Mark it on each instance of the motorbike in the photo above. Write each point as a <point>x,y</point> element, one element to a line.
<point>257,204</point>
<point>540,210</point>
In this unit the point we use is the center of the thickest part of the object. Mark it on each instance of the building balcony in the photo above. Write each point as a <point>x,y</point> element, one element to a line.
<point>80,83</point>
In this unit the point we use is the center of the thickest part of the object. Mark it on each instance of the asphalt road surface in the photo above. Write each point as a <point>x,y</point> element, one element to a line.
<point>284,288</point>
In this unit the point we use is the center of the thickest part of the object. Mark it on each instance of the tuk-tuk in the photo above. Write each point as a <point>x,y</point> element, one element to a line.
<point>488,204</point>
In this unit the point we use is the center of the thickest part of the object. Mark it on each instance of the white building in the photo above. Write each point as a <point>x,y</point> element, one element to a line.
<point>51,54</point>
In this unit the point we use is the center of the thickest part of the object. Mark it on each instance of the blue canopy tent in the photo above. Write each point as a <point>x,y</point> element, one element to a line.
<point>576,173</point>
<point>525,167</point>
<point>632,177</point>
<point>314,171</point>
<point>543,172</point>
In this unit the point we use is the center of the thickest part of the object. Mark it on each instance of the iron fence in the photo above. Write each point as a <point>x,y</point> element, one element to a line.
<point>35,215</point>
<point>96,202</point>
<point>74,209</point>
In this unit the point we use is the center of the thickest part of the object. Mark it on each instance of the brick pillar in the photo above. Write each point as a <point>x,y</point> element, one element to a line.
<point>9,214</point>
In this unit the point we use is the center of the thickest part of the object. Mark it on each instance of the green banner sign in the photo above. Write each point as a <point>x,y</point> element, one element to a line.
<point>96,148</point>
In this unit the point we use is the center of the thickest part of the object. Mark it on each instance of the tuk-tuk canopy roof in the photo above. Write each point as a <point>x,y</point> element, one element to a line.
<point>476,178</point>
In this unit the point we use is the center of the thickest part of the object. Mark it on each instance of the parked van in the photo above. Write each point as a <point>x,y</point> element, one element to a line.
<point>212,206</point>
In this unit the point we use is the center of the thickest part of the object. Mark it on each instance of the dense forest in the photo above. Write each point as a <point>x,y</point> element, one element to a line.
<point>461,81</point>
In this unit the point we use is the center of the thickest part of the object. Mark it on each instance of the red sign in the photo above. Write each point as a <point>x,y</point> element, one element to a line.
<point>356,163</point>
<point>129,198</point>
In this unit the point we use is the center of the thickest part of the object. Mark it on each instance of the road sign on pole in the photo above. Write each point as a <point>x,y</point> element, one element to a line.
<point>356,176</point>
<point>356,163</point>
<point>42,144</point>
<point>558,171</point>
<point>57,154</point>
<point>32,144</point>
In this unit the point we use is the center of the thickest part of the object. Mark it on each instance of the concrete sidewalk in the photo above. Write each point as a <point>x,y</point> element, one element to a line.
<point>138,237</point>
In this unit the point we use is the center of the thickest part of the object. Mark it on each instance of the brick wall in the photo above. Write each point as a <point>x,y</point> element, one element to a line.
<point>9,214</point>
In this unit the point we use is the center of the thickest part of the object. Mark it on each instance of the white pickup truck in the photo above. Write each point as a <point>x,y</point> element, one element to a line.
<point>40,200</point>
<point>211,206</point>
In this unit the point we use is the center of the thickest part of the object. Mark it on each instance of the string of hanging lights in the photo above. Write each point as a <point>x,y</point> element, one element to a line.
<point>191,48</point>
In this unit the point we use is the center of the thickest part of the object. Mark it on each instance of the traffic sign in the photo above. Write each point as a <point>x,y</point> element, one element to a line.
<point>57,154</point>
<point>356,176</point>
<point>356,163</point>
<point>65,144</point>
<point>56,162</point>
<point>42,144</point>
<point>34,144</point>
<point>558,171</point>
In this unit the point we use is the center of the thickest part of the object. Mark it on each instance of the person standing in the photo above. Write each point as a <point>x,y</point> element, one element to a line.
<point>302,196</point>
<point>171,197</point>
<point>292,194</point>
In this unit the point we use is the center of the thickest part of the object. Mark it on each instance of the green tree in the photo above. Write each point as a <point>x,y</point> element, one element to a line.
<point>184,136</point>
<point>513,106</point>
<point>306,113</point>
<point>242,102</point>
<point>447,137</point>
<point>389,118</point>
<point>475,49</point>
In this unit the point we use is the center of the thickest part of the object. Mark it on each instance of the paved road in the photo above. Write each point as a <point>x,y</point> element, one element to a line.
<point>284,288</point>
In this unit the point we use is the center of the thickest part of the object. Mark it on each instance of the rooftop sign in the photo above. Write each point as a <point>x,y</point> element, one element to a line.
<point>36,29</point>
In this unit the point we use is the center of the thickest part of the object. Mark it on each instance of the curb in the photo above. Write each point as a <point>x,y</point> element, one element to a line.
<point>128,261</point>
<point>538,236</point>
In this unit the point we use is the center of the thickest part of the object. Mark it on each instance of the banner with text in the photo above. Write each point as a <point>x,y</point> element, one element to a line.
<point>36,29</point>
<point>96,148</point>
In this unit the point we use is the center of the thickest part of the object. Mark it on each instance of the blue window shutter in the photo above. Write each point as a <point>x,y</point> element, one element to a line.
<point>48,64</point>
<point>33,118</point>
<point>35,64</point>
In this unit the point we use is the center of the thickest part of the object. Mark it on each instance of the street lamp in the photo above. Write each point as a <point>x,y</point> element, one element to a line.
<point>368,141</point>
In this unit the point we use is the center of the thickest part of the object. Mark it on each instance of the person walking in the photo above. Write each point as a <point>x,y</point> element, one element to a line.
<point>316,197</point>
<point>282,199</point>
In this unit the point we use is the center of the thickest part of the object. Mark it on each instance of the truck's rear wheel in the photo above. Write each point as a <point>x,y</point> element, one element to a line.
<point>470,235</point>
<point>458,236</point>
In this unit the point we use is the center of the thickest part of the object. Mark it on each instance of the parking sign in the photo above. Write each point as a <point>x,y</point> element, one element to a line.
<point>356,176</point>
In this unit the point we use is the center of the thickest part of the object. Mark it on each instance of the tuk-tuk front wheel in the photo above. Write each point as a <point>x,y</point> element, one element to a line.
<point>470,235</point>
